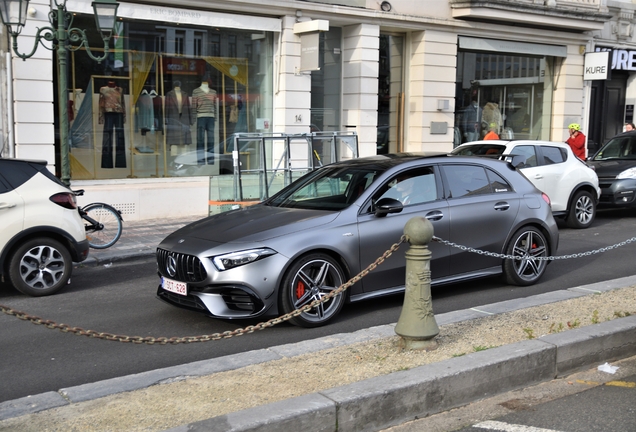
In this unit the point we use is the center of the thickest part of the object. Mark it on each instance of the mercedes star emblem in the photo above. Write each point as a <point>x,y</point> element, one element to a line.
<point>171,266</point>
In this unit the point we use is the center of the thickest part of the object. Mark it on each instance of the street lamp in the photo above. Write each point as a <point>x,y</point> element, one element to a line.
<point>63,38</point>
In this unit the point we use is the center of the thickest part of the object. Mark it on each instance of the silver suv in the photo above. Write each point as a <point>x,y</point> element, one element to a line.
<point>42,232</point>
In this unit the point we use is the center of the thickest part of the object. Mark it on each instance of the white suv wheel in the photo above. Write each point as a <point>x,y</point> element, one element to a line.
<point>41,266</point>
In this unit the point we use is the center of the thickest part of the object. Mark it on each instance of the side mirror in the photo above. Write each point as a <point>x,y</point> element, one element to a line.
<point>386,206</point>
<point>517,161</point>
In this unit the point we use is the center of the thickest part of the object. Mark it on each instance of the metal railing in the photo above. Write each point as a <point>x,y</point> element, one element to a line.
<point>263,164</point>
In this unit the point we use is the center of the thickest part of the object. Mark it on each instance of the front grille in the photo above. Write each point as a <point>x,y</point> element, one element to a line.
<point>188,302</point>
<point>188,267</point>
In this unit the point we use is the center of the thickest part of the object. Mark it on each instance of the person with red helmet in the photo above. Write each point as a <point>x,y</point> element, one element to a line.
<point>576,140</point>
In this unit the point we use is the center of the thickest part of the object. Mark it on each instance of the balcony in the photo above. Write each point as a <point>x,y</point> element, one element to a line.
<point>571,15</point>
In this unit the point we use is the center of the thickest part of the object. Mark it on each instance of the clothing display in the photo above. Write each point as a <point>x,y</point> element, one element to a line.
<point>204,106</point>
<point>112,114</point>
<point>144,114</point>
<point>157,105</point>
<point>178,118</point>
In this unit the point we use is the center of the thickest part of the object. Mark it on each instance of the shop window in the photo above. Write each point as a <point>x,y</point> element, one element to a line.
<point>231,46</point>
<point>326,83</point>
<point>390,94</point>
<point>513,92</point>
<point>165,103</point>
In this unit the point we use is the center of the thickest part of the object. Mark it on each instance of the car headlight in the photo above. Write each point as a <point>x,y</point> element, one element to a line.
<point>627,174</point>
<point>237,259</point>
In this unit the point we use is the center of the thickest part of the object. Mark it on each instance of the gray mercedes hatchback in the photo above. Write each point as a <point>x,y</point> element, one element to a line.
<point>327,226</point>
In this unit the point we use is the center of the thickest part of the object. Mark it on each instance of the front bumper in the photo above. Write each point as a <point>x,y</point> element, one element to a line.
<point>247,291</point>
<point>617,193</point>
<point>227,303</point>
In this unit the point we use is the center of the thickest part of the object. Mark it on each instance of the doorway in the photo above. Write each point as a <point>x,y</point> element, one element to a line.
<point>607,110</point>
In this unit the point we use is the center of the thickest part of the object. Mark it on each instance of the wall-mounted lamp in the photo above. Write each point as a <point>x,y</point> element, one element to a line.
<point>386,6</point>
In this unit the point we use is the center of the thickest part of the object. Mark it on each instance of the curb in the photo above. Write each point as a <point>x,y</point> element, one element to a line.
<point>105,258</point>
<point>392,399</point>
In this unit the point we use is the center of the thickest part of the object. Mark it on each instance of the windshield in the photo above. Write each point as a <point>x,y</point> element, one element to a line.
<point>479,150</point>
<point>618,148</point>
<point>333,187</point>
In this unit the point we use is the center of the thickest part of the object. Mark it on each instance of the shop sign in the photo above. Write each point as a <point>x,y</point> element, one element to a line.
<point>183,66</point>
<point>309,51</point>
<point>622,59</point>
<point>596,66</point>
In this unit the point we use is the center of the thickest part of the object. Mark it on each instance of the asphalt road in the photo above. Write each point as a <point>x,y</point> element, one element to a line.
<point>587,401</point>
<point>120,299</point>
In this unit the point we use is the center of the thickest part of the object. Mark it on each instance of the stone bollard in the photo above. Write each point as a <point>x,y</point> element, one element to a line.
<point>417,325</point>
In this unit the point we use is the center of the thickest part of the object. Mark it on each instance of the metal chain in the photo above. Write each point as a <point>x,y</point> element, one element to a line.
<point>203,338</point>
<point>522,257</point>
<point>261,326</point>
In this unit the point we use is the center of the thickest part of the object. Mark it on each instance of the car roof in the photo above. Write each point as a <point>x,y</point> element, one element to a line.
<point>516,142</point>
<point>394,159</point>
<point>388,161</point>
<point>18,171</point>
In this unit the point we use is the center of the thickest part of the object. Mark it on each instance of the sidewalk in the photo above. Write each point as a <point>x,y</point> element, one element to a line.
<point>138,239</point>
<point>371,404</point>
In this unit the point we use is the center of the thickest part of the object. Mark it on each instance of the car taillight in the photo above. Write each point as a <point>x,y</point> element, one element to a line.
<point>546,199</point>
<point>64,199</point>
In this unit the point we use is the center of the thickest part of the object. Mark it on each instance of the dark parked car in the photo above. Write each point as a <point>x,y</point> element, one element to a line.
<point>615,165</point>
<point>324,228</point>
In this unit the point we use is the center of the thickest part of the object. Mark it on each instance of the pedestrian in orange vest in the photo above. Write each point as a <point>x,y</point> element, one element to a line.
<point>492,135</point>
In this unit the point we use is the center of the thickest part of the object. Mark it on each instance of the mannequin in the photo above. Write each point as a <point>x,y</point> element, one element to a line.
<point>204,108</point>
<point>178,117</point>
<point>144,114</point>
<point>112,114</point>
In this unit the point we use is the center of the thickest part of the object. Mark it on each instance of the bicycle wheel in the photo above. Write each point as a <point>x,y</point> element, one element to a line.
<point>111,225</point>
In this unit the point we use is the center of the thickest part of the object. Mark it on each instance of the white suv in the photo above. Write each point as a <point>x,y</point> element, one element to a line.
<point>570,183</point>
<point>42,232</point>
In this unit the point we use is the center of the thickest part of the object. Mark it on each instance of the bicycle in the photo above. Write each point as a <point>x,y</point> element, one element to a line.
<point>103,223</point>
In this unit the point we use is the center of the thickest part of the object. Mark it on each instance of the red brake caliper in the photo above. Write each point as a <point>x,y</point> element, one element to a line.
<point>300,289</point>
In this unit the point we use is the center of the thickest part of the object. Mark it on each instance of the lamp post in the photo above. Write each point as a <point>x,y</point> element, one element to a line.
<point>63,37</point>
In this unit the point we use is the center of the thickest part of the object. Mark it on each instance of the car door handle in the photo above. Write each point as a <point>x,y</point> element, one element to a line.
<point>502,206</point>
<point>434,215</point>
<point>538,176</point>
<point>6,205</point>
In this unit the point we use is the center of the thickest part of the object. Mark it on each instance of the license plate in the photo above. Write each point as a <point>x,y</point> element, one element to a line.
<point>176,287</point>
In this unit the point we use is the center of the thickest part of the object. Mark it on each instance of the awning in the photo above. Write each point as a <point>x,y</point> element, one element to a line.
<point>512,47</point>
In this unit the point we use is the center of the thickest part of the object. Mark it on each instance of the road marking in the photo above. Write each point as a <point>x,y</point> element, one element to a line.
<point>626,384</point>
<point>622,384</point>
<point>506,427</point>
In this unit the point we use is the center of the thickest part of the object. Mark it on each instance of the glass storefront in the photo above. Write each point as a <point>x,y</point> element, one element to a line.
<point>326,83</point>
<point>390,94</point>
<point>510,94</point>
<point>167,100</point>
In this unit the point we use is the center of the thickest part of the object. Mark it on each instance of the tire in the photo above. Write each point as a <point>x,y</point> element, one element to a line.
<point>583,210</point>
<point>41,266</point>
<point>530,243</point>
<point>312,277</point>
<point>112,226</point>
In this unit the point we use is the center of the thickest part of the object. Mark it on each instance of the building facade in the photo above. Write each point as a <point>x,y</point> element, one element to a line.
<point>154,121</point>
